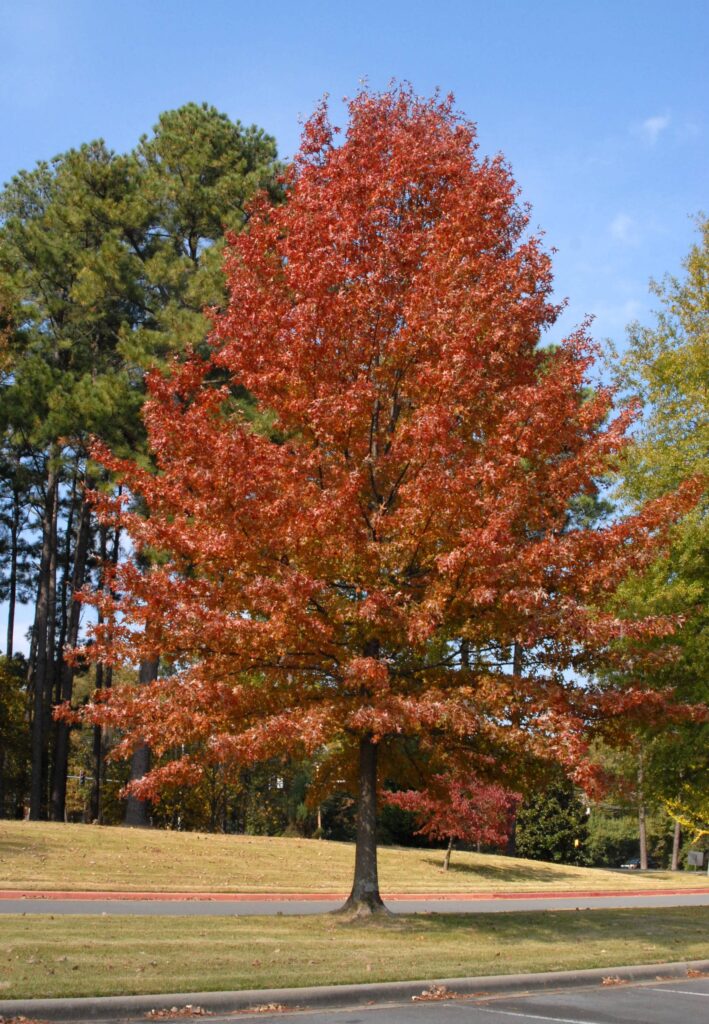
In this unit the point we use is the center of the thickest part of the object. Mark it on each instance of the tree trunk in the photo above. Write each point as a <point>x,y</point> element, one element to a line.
<point>364,898</point>
<point>138,811</point>
<point>642,828</point>
<point>66,684</point>
<point>51,654</point>
<point>42,673</point>
<point>104,680</point>
<point>14,552</point>
<point>447,858</point>
<point>517,658</point>
<point>97,761</point>
<point>465,654</point>
<point>511,848</point>
<point>676,838</point>
<point>70,547</point>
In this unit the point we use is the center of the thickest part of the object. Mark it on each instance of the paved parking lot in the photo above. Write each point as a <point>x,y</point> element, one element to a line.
<point>680,1001</point>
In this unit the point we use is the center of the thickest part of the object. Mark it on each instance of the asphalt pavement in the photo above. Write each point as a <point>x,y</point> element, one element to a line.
<point>672,1002</point>
<point>205,907</point>
<point>674,993</point>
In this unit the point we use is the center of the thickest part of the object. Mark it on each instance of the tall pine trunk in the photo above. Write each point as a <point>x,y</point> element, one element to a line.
<point>45,655</point>
<point>74,503</point>
<point>103,681</point>
<point>365,898</point>
<point>138,811</point>
<point>14,554</point>
<point>66,681</point>
<point>49,685</point>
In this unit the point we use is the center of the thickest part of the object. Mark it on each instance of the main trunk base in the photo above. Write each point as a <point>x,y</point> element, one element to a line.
<point>358,908</point>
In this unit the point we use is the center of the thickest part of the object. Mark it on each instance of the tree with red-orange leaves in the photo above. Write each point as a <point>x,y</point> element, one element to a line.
<point>459,808</point>
<point>317,588</point>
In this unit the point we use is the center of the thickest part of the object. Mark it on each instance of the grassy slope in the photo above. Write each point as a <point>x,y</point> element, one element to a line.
<point>36,855</point>
<point>43,955</point>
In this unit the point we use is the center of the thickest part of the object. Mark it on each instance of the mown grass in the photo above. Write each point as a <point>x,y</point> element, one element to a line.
<point>38,855</point>
<point>44,955</point>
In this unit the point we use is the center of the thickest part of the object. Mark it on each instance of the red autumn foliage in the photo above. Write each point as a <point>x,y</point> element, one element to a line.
<point>466,809</point>
<point>315,587</point>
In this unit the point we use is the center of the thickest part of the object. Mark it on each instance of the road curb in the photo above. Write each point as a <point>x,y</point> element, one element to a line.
<point>244,897</point>
<point>331,996</point>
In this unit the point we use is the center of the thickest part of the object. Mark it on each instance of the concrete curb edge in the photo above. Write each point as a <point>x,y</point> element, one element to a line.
<point>125,1007</point>
<point>239,897</point>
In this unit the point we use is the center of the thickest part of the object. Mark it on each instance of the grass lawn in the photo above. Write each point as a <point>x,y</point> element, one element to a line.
<point>39,855</point>
<point>46,955</point>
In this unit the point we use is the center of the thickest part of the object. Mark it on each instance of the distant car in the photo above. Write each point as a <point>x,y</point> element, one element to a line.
<point>633,864</point>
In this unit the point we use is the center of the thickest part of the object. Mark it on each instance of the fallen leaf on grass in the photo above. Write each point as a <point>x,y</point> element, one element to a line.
<point>178,1011</point>
<point>433,993</point>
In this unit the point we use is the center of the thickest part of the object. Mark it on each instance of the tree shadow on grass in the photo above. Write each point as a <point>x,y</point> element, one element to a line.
<point>665,928</point>
<point>537,871</point>
<point>33,846</point>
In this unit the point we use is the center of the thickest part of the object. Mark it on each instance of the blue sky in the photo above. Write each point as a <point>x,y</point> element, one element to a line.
<point>600,106</point>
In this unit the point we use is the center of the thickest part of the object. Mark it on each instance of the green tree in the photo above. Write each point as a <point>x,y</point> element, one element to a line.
<point>194,175</point>
<point>667,365</point>
<point>107,262</point>
<point>552,825</point>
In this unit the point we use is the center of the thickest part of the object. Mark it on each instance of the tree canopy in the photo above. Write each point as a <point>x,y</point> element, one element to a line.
<point>354,582</point>
<point>667,364</point>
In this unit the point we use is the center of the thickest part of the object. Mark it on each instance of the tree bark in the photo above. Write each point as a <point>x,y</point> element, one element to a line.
<point>511,848</point>
<point>42,674</point>
<point>138,811</point>
<point>14,553</point>
<point>364,898</point>
<point>70,547</point>
<point>97,761</point>
<point>447,858</point>
<point>676,838</point>
<point>66,683</point>
<point>104,680</point>
<point>517,658</point>
<point>49,694</point>
<point>642,827</point>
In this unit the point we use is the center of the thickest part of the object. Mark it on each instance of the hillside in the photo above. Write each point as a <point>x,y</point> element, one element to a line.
<point>39,855</point>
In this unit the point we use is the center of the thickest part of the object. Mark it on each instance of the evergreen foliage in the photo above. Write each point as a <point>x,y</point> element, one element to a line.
<point>107,264</point>
<point>552,825</point>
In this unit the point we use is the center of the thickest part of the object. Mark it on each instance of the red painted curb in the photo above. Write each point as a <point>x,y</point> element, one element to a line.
<point>270,897</point>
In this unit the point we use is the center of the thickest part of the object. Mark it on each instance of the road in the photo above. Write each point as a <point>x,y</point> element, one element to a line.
<point>680,1001</point>
<point>244,906</point>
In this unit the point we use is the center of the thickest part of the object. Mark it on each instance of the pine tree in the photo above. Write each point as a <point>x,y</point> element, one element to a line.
<point>106,265</point>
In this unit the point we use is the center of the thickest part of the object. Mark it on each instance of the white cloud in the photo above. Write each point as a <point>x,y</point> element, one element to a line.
<point>652,128</point>
<point>623,229</point>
